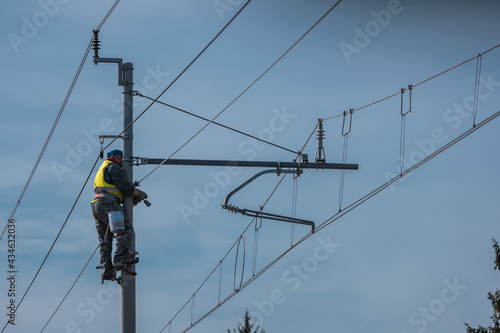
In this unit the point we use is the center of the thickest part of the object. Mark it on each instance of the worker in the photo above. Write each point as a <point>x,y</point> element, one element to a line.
<point>110,187</point>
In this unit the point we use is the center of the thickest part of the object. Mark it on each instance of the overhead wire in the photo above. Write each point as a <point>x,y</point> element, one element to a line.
<point>406,172</point>
<point>323,225</point>
<point>63,106</point>
<point>269,197</point>
<point>83,61</point>
<point>418,84</point>
<point>341,212</point>
<point>347,209</point>
<point>70,289</point>
<point>245,284</point>
<point>246,89</point>
<point>55,240</point>
<point>56,122</point>
<point>180,74</point>
<point>219,124</point>
<point>221,261</point>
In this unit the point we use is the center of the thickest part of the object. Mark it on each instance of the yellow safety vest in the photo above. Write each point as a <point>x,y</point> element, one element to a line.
<point>101,185</point>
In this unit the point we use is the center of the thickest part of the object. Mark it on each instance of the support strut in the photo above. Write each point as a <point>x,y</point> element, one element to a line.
<point>260,213</point>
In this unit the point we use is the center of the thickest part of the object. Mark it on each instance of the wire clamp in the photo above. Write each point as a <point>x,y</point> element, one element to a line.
<point>140,160</point>
<point>346,131</point>
<point>410,88</point>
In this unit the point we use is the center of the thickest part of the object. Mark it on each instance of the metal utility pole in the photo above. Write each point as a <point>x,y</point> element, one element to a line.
<point>127,279</point>
<point>125,79</point>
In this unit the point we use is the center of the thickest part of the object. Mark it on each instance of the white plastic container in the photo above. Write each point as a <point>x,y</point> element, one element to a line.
<point>116,222</point>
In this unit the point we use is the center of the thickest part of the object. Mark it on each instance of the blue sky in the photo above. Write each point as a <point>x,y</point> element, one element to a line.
<point>415,258</point>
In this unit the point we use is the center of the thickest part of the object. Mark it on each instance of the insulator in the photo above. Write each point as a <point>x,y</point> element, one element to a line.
<point>231,208</point>
<point>320,152</point>
<point>321,134</point>
<point>96,43</point>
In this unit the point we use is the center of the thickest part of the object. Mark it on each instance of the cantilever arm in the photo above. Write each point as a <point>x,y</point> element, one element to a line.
<point>261,214</point>
<point>225,205</point>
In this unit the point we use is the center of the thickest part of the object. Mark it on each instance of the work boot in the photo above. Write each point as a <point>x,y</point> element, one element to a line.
<point>123,263</point>
<point>119,265</point>
<point>109,275</point>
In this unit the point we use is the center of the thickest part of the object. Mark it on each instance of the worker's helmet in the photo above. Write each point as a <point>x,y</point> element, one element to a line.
<point>115,152</point>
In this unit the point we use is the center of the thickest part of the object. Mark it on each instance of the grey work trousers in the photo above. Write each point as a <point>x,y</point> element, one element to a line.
<point>100,210</point>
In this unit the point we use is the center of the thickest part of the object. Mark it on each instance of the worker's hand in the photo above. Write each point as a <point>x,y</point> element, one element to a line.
<point>138,196</point>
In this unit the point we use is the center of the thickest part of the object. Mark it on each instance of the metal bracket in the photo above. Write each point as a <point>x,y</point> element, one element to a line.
<point>97,59</point>
<point>101,140</point>
<point>410,88</point>
<point>140,161</point>
<point>346,131</point>
<point>102,137</point>
<point>260,213</point>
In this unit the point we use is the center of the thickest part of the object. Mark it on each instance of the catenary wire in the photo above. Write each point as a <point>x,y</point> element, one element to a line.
<point>259,274</point>
<point>61,110</point>
<point>323,225</point>
<point>178,76</point>
<point>341,213</point>
<point>406,172</point>
<point>418,84</point>
<point>218,124</point>
<point>345,211</point>
<point>74,82</point>
<point>246,89</point>
<point>70,289</point>
<point>329,221</point>
<point>83,61</point>
<point>251,222</point>
<point>57,237</point>
<point>223,258</point>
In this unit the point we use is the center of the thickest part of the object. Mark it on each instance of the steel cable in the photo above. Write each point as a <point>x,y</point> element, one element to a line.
<point>178,76</point>
<point>55,240</point>
<point>244,91</point>
<point>70,289</point>
<point>88,50</point>
<point>331,220</point>
<point>61,110</point>
<point>219,124</point>
<point>418,84</point>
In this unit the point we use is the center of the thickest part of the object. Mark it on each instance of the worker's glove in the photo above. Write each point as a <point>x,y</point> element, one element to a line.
<point>138,196</point>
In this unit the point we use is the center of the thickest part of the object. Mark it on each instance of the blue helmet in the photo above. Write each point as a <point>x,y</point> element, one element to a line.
<point>115,152</point>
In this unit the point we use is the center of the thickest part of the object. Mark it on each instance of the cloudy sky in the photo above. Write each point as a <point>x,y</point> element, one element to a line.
<point>416,257</point>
